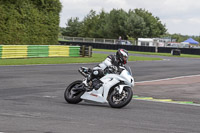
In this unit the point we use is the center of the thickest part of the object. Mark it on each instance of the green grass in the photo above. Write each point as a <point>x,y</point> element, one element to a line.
<point>152,53</point>
<point>96,58</point>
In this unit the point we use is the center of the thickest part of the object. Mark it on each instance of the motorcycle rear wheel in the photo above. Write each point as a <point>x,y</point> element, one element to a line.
<point>72,97</point>
<point>117,100</point>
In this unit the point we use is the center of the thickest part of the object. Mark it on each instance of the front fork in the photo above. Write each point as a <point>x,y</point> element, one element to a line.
<point>120,88</point>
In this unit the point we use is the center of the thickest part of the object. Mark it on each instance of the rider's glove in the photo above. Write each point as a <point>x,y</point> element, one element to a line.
<point>113,69</point>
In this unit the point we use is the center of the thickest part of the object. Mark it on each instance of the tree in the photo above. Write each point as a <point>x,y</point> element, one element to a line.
<point>135,25</point>
<point>88,26</point>
<point>116,25</point>
<point>100,26</point>
<point>73,27</point>
<point>154,27</point>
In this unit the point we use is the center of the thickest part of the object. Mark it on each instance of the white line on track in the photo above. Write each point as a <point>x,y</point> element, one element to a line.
<point>189,76</point>
<point>50,96</point>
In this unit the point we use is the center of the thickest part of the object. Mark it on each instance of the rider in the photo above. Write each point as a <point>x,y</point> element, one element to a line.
<point>112,61</point>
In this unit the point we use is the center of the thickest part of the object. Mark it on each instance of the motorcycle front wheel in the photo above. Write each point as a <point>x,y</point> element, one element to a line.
<point>71,96</point>
<point>117,100</point>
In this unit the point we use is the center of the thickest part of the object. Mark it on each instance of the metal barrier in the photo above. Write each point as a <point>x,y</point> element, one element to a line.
<point>194,51</point>
<point>89,40</point>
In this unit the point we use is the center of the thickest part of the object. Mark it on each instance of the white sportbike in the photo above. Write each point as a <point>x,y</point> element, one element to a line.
<point>116,88</point>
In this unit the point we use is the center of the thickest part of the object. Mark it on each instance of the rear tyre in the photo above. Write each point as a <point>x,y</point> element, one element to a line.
<point>117,100</point>
<point>71,96</point>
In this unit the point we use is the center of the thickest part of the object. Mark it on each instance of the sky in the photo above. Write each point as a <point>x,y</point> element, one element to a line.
<point>179,16</point>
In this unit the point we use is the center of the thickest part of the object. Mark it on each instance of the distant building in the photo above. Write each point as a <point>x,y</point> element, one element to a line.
<point>160,42</point>
<point>145,42</point>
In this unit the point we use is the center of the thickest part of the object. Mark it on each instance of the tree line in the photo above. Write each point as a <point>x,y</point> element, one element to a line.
<point>137,23</point>
<point>134,23</point>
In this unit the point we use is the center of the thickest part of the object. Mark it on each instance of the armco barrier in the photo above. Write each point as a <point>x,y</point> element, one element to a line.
<point>74,51</point>
<point>10,51</point>
<point>55,51</point>
<point>28,51</point>
<point>194,51</point>
<point>110,46</point>
<point>0,51</point>
<point>38,51</point>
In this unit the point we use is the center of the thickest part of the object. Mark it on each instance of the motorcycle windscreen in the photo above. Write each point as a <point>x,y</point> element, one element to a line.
<point>128,69</point>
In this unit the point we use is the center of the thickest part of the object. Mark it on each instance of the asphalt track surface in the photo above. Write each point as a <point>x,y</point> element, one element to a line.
<point>31,100</point>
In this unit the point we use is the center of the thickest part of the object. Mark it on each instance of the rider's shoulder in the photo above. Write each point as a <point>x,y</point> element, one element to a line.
<point>111,56</point>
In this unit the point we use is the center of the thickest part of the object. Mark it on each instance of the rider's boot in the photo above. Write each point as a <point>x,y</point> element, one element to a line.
<point>91,84</point>
<point>88,83</point>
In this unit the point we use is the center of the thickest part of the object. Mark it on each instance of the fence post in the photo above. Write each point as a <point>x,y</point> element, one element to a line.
<point>90,51</point>
<point>83,50</point>
<point>155,41</point>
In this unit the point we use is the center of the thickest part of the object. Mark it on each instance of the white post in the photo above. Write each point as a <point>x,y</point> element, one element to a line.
<point>155,41</point>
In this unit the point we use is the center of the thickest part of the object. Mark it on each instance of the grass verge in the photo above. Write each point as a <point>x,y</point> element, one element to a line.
<point>96,58</point>
<point>152,53</point>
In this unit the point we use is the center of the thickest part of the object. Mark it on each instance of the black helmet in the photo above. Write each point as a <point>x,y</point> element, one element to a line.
<point>122,56</point>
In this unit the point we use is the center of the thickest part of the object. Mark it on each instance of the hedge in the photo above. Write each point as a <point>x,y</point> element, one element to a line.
<point>29,22</point>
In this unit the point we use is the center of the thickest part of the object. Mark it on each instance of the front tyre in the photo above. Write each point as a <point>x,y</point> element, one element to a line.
<point>117,100</point>
<point>71,96</point>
